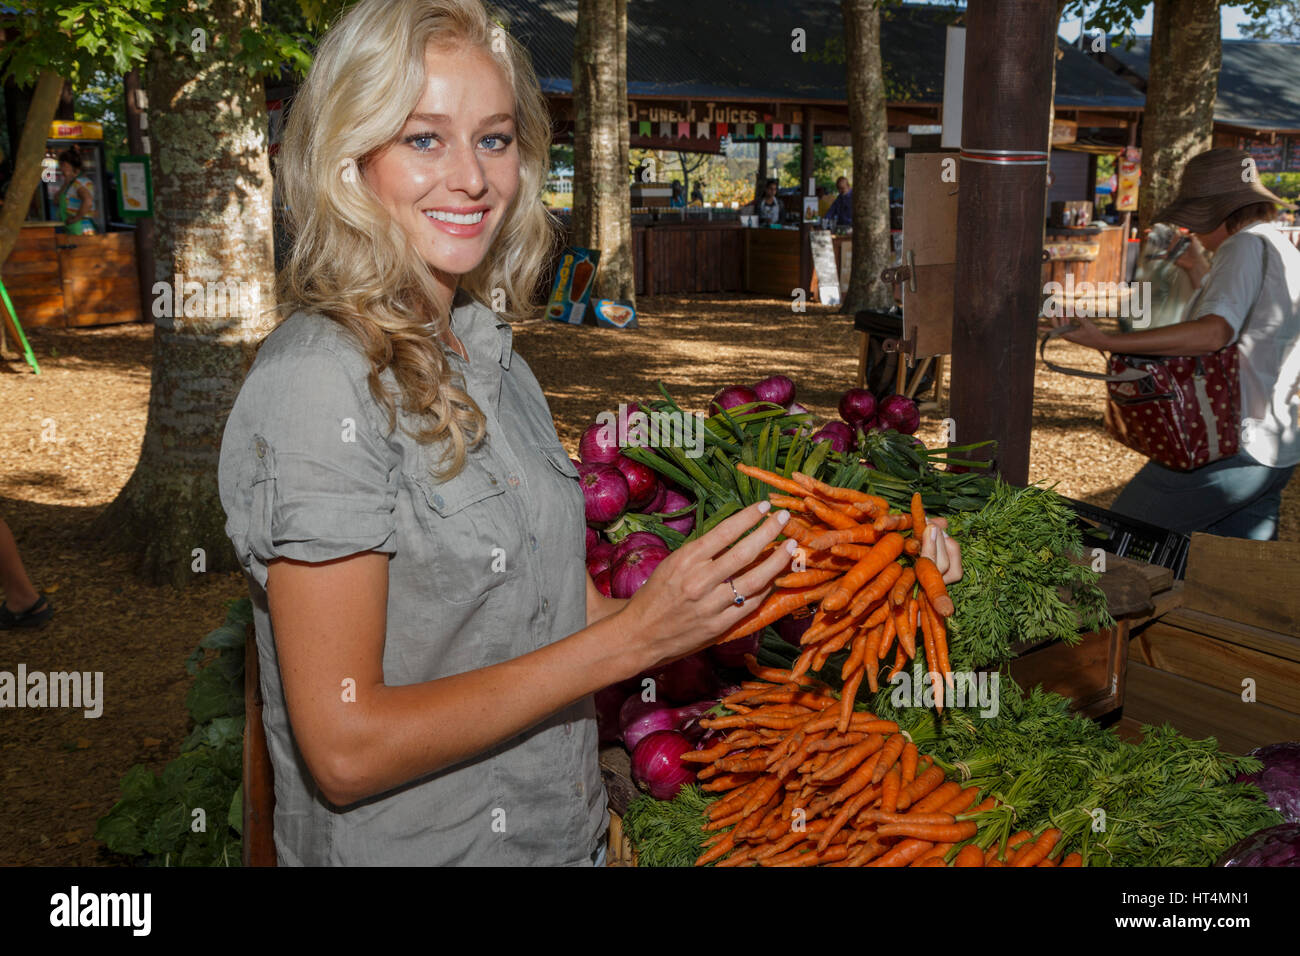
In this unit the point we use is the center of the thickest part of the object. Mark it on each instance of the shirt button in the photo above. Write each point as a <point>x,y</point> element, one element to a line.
<point>546,604</point>
<point>568,728</point>
<point>492,479</point>
<point>533,540</point>
<point>261,448</point>
<point>437,501</point>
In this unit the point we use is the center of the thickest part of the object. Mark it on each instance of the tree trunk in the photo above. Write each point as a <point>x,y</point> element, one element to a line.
<point>602,202</point>
<point>27,160</point>
<point>212,184</point>
<point>872,248</point>
<point>1178,121</point>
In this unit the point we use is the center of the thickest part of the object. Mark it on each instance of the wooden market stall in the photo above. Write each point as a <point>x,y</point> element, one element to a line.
<point>66,281</point>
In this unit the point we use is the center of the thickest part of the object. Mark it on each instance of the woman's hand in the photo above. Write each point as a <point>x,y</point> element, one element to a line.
<point>941,549</point>
<point>687,602</point>
<point>1193,262</point>
<point>1087,334</point>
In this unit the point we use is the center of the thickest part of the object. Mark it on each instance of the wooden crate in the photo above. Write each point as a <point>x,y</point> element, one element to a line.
<point>1226,664</point>
<point>1091,673</point>
<point>32,276</point>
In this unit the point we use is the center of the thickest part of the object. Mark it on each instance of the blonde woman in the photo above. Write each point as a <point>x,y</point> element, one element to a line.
<point>411,527</point>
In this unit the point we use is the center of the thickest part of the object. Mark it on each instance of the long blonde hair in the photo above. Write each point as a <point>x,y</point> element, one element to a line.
<point>350,260</point>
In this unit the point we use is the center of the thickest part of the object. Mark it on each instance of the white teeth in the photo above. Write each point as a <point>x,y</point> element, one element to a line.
<point>468,219</point>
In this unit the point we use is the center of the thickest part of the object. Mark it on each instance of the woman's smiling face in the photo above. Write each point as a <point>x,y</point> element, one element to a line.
<point>452,172</point>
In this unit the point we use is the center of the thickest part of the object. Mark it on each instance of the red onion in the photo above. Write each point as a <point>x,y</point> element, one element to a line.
<point>633,569</point>
<point>794,408</point>
<point>732,653</point>
<point>676,501</point>
<point>641,482</point>
<point>605,490</point>
<point>730,397</point>
<point>593,538</point>
<point>690,678</point>
<point>777,389</point>
<point>599,444</point>
<point>900,413</point>
<point>657,502</point>
<point>600,558</point>
<point>608,701</point>
<point>602,583</point>
<point>637,719</point>
<point>857,405</point>
<point>657,764</point>
<point>637,539</point>
<point>838,434</point>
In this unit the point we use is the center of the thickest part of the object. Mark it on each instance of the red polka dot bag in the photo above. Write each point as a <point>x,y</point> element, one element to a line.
<point>1183,412</point>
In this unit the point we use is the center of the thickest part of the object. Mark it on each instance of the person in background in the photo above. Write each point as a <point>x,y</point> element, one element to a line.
<point>769,207</point>
<point>1250,295</point>
<point>76,198</point>
<point>679,195</point>
<point>18,589</point>
<point>697,193</point>
<point>841,212</point>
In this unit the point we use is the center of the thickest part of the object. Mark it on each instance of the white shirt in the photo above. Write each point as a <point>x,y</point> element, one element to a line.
<point>769,210</point>
<point>1267,336</point>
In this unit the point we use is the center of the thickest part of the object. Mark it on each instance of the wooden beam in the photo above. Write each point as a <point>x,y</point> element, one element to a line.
<point>1000,225</point>
<point>805,233</point>
<point>897,117</point>
<point>1094,118</point>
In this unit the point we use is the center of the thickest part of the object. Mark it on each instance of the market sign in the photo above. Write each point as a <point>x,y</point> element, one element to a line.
<point>1268,156</point>
<point>708,119</point>
<point>1064,131</point>
<point>1293,154</point>
<point>80,129</point>
<point>1130,174</point>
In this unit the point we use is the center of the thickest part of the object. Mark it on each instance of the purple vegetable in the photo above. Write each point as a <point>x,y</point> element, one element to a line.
<point>857,405</point>
<point>730,397</point>
<point>656,503</point>
<point>685,680</point>
<point>676,501</point>
<point>1272,846</point>
<point>794,408</point>
<point>605,490</point>
<point>899,413</point>
<point>593,538</point>
<point>778,390</point>
<point>838,434</point>
<point>732,653</point>
<point>792,626</point>
<point>601,581</point>
<point>608,702</point>
<point>1279,779</point>
<point>600,558</point>
<point>633,569</point>
<point>638,719</point>
<point>637,539</point>
<point>641,482</point>
<point>657,764</point>
<point>599,444</point>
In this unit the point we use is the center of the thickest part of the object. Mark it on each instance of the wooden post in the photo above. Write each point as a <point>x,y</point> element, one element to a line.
<point>762,169</point>
<point>136,122</point>
<point>998,294</point>
<point>805,231</point>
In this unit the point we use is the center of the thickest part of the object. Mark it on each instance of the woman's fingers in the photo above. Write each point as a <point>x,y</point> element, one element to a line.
<point>726,532</point>
<point>953,549</point>
<point>759,578</point>
<point>744,552</point>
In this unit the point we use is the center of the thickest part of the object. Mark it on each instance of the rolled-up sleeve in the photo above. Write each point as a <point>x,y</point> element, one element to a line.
<point>1234,282</point>
<point>306,470</point>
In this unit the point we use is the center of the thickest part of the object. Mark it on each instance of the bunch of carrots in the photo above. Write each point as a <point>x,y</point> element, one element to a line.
<point>808,782</point>
<point>863,566</point>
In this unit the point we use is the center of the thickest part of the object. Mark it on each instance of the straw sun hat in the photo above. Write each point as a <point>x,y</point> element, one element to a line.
<point>1216,184</point>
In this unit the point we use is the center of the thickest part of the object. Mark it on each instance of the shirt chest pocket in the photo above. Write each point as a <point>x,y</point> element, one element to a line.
<point>471,537</point>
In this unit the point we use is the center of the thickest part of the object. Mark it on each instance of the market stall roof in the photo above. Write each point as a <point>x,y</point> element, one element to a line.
<point>1259,82</point>
<point>732,49</point>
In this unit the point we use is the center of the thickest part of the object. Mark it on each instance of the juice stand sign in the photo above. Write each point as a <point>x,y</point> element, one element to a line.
<point>571,290</point>
<point>1130,174</point>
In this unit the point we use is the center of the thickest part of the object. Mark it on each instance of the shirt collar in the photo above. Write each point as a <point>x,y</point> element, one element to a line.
<point>482,331</point>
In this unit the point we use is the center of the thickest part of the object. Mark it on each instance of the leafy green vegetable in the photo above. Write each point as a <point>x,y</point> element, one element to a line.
<point>667,832</point>
<point>191,813</point>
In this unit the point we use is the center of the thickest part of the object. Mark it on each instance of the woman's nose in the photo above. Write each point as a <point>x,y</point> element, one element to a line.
<point>466,172</point>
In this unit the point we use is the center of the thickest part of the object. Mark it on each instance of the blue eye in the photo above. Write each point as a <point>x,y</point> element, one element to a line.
<point>416,138</point>
<point>504,139</point>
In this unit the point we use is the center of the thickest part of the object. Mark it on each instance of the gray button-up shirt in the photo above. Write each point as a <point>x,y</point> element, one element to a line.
<point>484,567</point>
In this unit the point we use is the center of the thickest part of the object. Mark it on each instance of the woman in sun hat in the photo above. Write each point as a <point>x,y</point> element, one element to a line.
<point>1249,295</point>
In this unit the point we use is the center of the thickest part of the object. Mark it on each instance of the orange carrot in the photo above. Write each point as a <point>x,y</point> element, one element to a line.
<point>907,633</point>
<point>1036,853</point>
<point>935,833</point>
<point>892,523</point>
<point>850,759</point>
<point>832,516</point>
<point>858,534</point>
<point>1072,859</point>
<point>883,553</point>
<point>969,855</point>
<point>719,850</point>
<point>801,579</point>
<point>775,480</point>
<point>899,592</point>
<point>887,639</point>
<point>777,606</point>
<point>856,552</point>
<point>962,801</point>
<point>861,721</point>
<point>924,783</point>
<point>918,512</point>
<point>876,590</point>
<point>938,799</point>
<point>835,493</point>
<point>856,655</point>
<point>889,755</point>
<point>890,787</point>
<point>788,502</point>
<point>932,582</point>
<point>900,661</point>
<point>850,693</point>
<point>903,854</point>
<point>907,761</point>
<point>931,664</point>
<point>1013,842</point>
